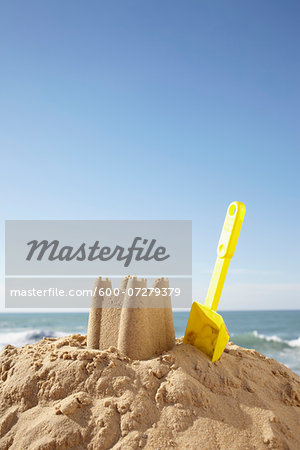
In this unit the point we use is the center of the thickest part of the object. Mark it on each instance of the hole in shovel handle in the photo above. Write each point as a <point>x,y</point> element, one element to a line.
<point>232,210</point>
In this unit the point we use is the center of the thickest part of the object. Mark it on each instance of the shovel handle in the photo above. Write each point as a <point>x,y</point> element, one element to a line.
<point>226,248</point>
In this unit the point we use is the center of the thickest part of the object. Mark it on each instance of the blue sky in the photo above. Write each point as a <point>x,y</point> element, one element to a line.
<point>160,110</point>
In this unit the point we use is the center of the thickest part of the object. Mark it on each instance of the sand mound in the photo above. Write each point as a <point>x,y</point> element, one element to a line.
<point>56,394</point>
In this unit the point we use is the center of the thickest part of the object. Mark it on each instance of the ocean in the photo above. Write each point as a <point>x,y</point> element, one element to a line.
<point>273,333</point>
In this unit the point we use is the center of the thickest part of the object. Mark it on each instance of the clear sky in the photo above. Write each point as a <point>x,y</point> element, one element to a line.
<point>160,110</point>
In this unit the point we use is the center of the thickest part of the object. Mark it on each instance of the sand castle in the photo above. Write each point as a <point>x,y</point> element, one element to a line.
<point>137,321</point>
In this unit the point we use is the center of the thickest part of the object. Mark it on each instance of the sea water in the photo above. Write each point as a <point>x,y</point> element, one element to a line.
<point>273,333</point>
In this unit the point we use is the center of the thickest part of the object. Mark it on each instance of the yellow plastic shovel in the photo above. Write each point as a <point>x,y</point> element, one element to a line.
<point>206,329</point>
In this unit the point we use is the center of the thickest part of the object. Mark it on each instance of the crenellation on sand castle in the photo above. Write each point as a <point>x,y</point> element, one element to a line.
<point>138,321</point>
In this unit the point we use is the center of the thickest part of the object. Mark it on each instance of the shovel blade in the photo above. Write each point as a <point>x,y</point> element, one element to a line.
<point>206,330</point>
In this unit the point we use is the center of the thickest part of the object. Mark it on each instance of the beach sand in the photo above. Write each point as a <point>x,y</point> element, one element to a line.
<point>57,394</point>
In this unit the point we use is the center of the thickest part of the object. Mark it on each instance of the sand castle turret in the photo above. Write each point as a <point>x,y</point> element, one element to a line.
<point>138,321</point>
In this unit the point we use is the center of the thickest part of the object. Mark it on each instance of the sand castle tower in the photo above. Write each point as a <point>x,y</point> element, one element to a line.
<point>137,321</point>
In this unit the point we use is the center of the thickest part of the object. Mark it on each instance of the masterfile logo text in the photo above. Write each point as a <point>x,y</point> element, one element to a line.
<point>54,263</point>
<point>67,247</point>
<point>138,250</point>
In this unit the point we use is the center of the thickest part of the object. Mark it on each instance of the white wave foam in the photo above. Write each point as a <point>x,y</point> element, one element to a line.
<point>295,342</point>
<point>291,343</point>
<point>20,338</point>
<point>268,338</point>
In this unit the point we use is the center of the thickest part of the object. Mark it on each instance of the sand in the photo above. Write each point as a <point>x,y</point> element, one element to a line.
<point>57,394</point>
<point>140,326</point>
